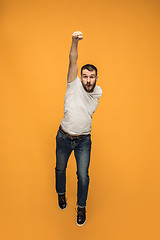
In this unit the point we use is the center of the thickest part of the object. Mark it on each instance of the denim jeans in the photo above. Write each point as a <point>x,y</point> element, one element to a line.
<point>82,150</point>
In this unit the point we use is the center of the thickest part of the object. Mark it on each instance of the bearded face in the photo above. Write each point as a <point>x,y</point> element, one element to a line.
<point>89,79</point>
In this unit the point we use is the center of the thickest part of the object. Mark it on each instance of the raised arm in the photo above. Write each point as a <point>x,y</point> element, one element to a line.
<point>73,55</point>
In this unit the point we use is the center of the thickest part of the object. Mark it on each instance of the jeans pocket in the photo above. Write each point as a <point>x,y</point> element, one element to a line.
<point>60,135</point>
<point>87,141</point>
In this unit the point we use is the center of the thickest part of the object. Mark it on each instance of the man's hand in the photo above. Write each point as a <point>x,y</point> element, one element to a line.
<point>77,36</point>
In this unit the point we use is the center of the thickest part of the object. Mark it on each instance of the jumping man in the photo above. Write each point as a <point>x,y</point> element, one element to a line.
<point>74,133</point>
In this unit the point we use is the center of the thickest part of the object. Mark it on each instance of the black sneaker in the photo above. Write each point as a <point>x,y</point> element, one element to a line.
<point>81,216</point>
<point>62,201</point>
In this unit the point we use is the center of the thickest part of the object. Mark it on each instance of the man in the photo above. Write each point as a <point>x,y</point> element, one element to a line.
<point>81,101</point>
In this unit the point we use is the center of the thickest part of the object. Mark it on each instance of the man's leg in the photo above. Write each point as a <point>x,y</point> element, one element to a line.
<point>63,151</point>
<point>82,155</point>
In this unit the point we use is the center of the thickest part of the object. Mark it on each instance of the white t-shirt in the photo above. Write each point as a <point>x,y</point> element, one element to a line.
<point>79,107</point>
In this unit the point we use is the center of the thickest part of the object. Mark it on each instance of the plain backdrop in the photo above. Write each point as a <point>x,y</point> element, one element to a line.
<point>122,39</point>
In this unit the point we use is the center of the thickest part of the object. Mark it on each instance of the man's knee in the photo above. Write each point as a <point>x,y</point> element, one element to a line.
<point>60,169</point>
<point>83,177</point>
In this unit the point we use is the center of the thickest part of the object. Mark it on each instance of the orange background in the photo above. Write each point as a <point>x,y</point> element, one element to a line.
<point>122,39</point>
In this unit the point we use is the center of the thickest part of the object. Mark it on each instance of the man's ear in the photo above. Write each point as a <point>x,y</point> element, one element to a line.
<point>96,78</point>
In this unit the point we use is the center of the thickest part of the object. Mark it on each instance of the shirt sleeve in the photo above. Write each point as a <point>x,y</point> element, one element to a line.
<point>73,83</point>
<point>97,93</point>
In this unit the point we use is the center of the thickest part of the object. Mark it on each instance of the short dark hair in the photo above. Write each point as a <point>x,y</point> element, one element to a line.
<point>89,67</point>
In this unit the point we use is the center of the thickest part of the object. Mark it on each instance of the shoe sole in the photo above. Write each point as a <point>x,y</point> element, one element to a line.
<point>80,225</point>
<point>63,208</point>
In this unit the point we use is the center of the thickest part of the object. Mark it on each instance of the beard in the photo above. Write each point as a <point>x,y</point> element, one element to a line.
<point>89,87</point>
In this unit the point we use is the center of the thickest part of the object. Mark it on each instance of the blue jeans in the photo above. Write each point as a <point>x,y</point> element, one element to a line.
<point>82,150</point>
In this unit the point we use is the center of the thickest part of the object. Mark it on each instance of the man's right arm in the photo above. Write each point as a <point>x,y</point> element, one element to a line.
<point>73,68</point>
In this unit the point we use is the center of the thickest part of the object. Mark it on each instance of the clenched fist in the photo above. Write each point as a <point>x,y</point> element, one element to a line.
<point>77,36</point>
